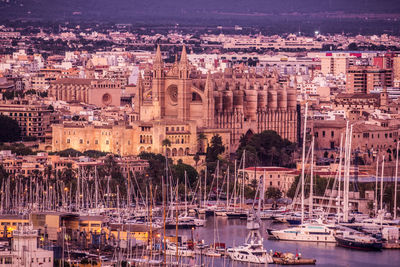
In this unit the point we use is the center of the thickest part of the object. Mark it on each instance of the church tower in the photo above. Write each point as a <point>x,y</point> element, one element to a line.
<point>209,103</point>
<point>184,92</point>
<point>158,84</point>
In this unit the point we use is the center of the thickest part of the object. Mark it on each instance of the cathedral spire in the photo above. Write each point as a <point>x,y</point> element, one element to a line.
<point>158,58</point>
<point>158,64</point>
<point>184,59</point>
<point>184,65</point>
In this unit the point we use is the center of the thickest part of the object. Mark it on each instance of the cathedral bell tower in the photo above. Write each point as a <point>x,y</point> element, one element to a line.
<point>158,84</point>
<point>184,90</point>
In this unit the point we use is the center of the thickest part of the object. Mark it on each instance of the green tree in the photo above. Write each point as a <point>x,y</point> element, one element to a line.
<point>111,168</point>
<point>9,130</point>
<point>269,149</point>
<point>179,170</point>
<point>273,193</point>
<point>69,152</point>
<point>18,149</point>
<point>320,184</point>
<point>94,153</point>
<point>352,47</point>
<point>215,149</point>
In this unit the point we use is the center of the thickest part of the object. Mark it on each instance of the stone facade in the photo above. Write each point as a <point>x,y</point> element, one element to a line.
<point>278,177</point>
<point>179,103</point>
<point>369,140</point>
<point>241,102</point>
<point>90,91</point>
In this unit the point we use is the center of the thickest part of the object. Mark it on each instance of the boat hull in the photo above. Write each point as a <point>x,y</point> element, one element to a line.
<point>296,236</point>
<point>283,261</point>
<point>234,255</point>
<point>343,242</point>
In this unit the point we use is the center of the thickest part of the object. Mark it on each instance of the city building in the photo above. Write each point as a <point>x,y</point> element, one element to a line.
<point>179,103</point>
<point>24,250</point>
<point>334,64</point>
<point>33,117</point>
<point>90,91</point>
<point>277,177</point>
<point>369,139</point>
<point>364,79</point>
<point>235,101</point>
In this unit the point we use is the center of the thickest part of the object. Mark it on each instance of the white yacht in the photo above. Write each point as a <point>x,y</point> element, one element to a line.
<point>313,231</point>
<point>252,251</point>
<point>183,251</point>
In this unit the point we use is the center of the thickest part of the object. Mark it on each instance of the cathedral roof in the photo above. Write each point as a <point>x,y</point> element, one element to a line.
<point>79,81</point>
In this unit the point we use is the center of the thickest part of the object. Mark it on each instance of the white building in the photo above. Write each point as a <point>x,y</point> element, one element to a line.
<point>24,251</point>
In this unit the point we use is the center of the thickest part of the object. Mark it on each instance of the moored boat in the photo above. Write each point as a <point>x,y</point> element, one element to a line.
<point>358,240</point>
<point>312,232</point>
<point>251,251</point>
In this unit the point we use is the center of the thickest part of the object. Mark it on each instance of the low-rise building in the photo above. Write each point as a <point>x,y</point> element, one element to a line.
<point>278,177</point>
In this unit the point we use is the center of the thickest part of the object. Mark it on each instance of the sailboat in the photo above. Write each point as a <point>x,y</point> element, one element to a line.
<point>314,230</point>
<point>239,213</point>
<point>253,219</point>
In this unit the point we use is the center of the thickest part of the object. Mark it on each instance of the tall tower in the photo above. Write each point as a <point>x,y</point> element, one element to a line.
<point>184,94</point>
<point>209,102</point>
<point>158,84</point>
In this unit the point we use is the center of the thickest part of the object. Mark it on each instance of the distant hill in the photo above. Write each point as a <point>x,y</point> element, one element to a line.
<point>199,12</point>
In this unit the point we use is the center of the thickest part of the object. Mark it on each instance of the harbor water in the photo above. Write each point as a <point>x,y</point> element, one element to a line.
<point>233,232</point>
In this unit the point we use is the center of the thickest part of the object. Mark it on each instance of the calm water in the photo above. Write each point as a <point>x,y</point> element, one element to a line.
<point>233,232</point>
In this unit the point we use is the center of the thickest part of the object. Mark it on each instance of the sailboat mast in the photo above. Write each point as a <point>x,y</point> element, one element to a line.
<point>234,187</point>
<point>217,182</point>
<point>376,184</point>
<point>78,189</point>
<point>340,173</point>
<point>303,162</point>
<point>311,199</point>
<point>261,196</point>
<point>95,187</point>
<point>128,199</point>
<point>177,219</point>
<point>346,163</point>
<point>205,187</point>
<point>164,196</point>
<point>263,190</point>
<point>227,189</point>
<point>347,174</point>
<point>383,168</point>
<point>244,166</point>
<point>395,182</point>
<point>151,218</point>
<point>186,210</point>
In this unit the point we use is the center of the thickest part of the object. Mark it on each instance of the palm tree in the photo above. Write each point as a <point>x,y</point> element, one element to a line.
<point>166,143</point>
<point>200,138</point>
<point>196,158</point>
